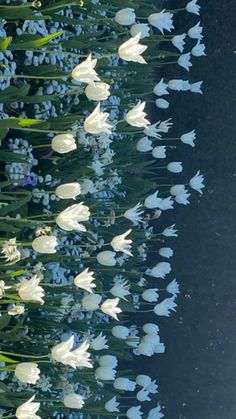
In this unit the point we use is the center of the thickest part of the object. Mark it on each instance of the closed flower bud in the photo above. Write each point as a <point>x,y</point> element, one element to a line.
<point>166,252</point>
<point>144,145</point>
<point>112,405</point>
<point>91,302</point>
<point>45,244</point>
<point>106,258</point>
<point>177,189</point>
<point>159,152</point>
<point>143,380</point>
<point>108,361</point>
<point>97,91</point>
<point>162,103</point>
<point>151,328</point>
<point>120,332</point>
<point>125,17</point>
<point>105,373</point>
<point>68,190</point>
<point>151,295</point>
<point>63,143</point>
<point>175,167</point>
<point>123,383</point>
<point>27,372</point>
<point>134,412</point>
<point>73,401</point>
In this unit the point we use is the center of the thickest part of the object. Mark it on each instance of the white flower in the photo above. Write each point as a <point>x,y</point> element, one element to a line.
<point>198,50</point>
<point>162,20</point>
<point>91,302</point>
<point>196,182</point>
<point>96,123</point>
<point>170,231</point>
<point>175,167</point>
<point>162,103</point>
<point>125,17</point>
<point>120,332</point>
<point>182,198</point>
<point>97,91</point>
<point>68,190</point>
<point>173,287</point>
<point>84,72</point>
<point>131,50</point>
<point>159,152</point>
<point>28,410</point>
<point>179,85</point>
<point>155,413</point>
<point>3,287</point>
<point>70,218</point>
<point>110,307</point>
<point>196,32</point>
<point>177,189</point>
<point>160,270</point>
<point>141,28</point>
<point>85,280</point>
<point>16,310</point>
<point>105,373</point>
<point>77,358</point>
<point>112,405</point>
<point>160,88</point>
<point>142,395</point>
<point>144,145</point>
<point>27,372</point>
<point>164,126</point>
<point>143,380</point>
<point>134,412</point>
<point>152,131</point>
<point>108,361</point>
<point>189,138</point>
<point>151,295</point>
<point>73,401</point>
<point>99,343</point>
<point>123,383</point>
<point>179,41</point>
<point>196,87</point>
<point>166,252</point>
<point>134,214</point>
<point>151,328</point>
<point>152,201</point>
<point>29,290</point>
<point>121,244</point>
<point>146,349</point>
<point>166,204</point>
<point>45,244</point>
<point>184,61</point>
<point>63,143</point>
<point>121,289</point>
<point>137,117</point>
<point>193,7</point>
<point>10,252</point>
<point>164,308</point>
<point>106,258</point>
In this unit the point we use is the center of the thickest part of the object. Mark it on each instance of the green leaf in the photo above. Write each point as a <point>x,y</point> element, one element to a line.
<point>4,43</point>
<point>15,206</point>
<point>18,122</point>
<point>6,359</point>
<point>33,41</point>
<point>8,227</point>
<point>4,321</point>
<point>9,156</point>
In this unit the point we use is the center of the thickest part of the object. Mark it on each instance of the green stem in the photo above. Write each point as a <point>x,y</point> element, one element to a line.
<point>24,356</point>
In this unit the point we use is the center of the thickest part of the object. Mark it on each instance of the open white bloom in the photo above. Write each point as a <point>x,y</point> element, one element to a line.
<point>162,20</point>
<point>162,103</point>
<point>184,61</point>
<point>27,372</point>
<point>134,214</point>
<point>16,310</point>
<point>141,28</point>
<point>160,270</point>
<point>105,373</point>
<point>29,290</point>
<point>143,145</point>
<point>173,287</point>
<point>108,361</point>
<point>63,353</point>
<point>99,343</point>
<point>121,244</point>
<point>137,117</point>
<point>131,50</point>
<point>123,383</point>
<point>189,138</point>
<point>152,201</point>
<point>121,289</point>
<point>196,182</point>
<point>182,198</point>
<point>63,143</point>
<point>165,126</point>
<point>151,328</point>
<point>9,251</point>
<point>70,218</point>
<point>196,32</point>
<point>120,332</point>
<point>179,41</point>
<point>45,244</point>
<point>196,87</point>
<point>153,131</point>
<point>84,72</point>
<point>73,401</point>
<point>85,280</point>
<point>170,231</point>
<point>112,405</point>
<point>159,152</point>
<point>175,167</point>
<point>164,308</point>
<point>28,410</point>
<point>142,395</point>
<point>166,252</point>
<point>134,412</point>
<point>151,295</point>
<point>160,88</point>
<point>166,203</point>
<point>106,258</point>
<point>96,123</point>
<point>193,7</point>
<point>97,91</point>
<point>179,85</point>
<point>125,16</point>
<point>91,302</point>
<point>68,190</point>
<point>198,50</point>
<point>110,307</point>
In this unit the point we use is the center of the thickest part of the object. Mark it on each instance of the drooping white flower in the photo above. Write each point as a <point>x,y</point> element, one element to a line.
<point>137,117</point>
<point>121,244</point>
<point>99,343</point>
<point>91,302</point>
<point>134,214</point>
<point>68,190</point>
<point>198,50</point>
<point>109,307</point>
<point>159,152</point>
<point>162,103</point>
<point>45,244</point>
<point>153,131</point>
<point>134,412</point>
<point>96,123</point>
<point>175,167</point>
<point>27,372</point>
<point>160,88</point>
<point>10,251</point>
<point>196,32</point>
<point>164,308</point>
<point>123,383</point>
<point>125,17</point>
<point>196,182</point>
<point>112,405</point>
<point>166,204</point>
<point>164,126</point>
<point>29,290</point>
<point>131,50</point>
<point>196,87</point>
<point>84,72</point>
<point>28,409</point>
<point>105,373</point>
<point>121,289</point>
<point>63,353</point>
<point>160,270</point>
<point>152,201</point>
<point>151,295</point>
<point>106,258</point>
<point>85,280</point>
<point>63,143</point>
<point>173,287</point>
<point>120,332</point>
<point>179,41</point>
<point>162,20</point>
<point>73,401</point>
<point>182,198</point>
<point>184,61</point>
<point>70,218</point>
<point>193,7</point>
<point>97,91</point>
<point>189,138</point>
<point>144,145</point>
<point>141,28</point>
<point>170,231</point>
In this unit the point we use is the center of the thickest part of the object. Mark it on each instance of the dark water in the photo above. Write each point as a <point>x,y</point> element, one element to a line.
<point>197,375</point>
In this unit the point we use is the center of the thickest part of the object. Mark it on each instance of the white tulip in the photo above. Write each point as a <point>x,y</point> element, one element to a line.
<point>151,295</point>
<point>196,182</point>
<point>141,28</point>
<point>159,152</point>
<point>73,401</point>
<point>182,198</point>
<point>63,143</point>
<point>63,353</point>
<point>27,372</point>
<point>164,308</point>
<point>112,405</point>
<point>170,231</point>
<point>123,383</point>
<point>160,88</point>
<point>106,258</point>
<point>198,50</point>
<point>110,307</point>
<point>142,395</point>
<point>143,380</point>
<point>179,41</point>
<point>120,332</point>
<point>196,32</point>
<point>28,410</point>
<point>179,85</point>
<point>45,244</point>
<point>121,244</point>
<point>91,302</point>
<point>160,270</point>
<point>137,117</point>
<point>134,412</point>
<point>121,289</point>
<point>85,280</point>
<point>144,145</point>
<point>29,290</point>
<point>177,189</point>
<point>162,20</point>
<point>125,17</point>
<point>166,252</point>
<point>146,349</point>
<point>196,87</point>
<point>175,167</point>
<point>173,287</point>
<point>151,328</point>
<point>184,61</point>
<point>193,7</point>
<point>162,103</point>
<point>99,343</point>
<point>84,72</point>
<point>70,218</point>
<point>105,373</point>
<point>153,131</point>
<point>96,123</point>
<point>97,91</point>
<point>155,413</point>
<point>68,190</point>
<point>131,50</point>
<point>152,201</point>
<point>109,361</point>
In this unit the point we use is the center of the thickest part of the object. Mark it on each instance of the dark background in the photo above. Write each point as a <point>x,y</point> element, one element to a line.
<point>197,374</point>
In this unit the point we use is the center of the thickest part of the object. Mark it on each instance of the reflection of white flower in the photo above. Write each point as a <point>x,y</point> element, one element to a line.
<point>196,182</point>
<point>10,252</point>
<point>112,405</point>
<point>134,214</point>
<point>3,287</point>
<point>73,401</point>
<point>110,307</point>
<point>193,7</point>
<point>99,343</point>
<point>121,244</point>
<point>162,20</point>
